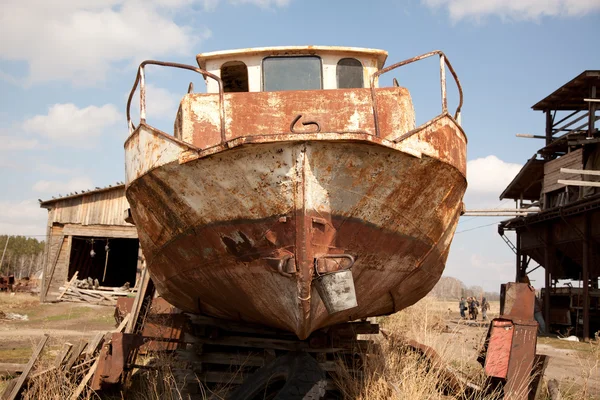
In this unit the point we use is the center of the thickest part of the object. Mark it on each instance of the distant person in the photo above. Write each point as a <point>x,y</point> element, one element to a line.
<point>462,306</point>
<point>470,307</point>
<point>485,305</point>
<point>537,314</point>
<point>473,311</point>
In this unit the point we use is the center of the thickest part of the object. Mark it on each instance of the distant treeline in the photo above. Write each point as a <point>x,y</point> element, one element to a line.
<point>24,256</point>
<point>450,288</point>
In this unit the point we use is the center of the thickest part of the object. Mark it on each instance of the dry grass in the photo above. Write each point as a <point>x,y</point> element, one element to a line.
<point>399,372</point>
<point>579,388</point>
<point>396,372</point>
<point>18,300</point>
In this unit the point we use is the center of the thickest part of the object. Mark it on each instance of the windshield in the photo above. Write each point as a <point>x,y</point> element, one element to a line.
<point>292,73</point>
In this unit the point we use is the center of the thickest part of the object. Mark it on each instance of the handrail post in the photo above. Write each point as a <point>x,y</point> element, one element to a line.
<point>443,82</point>
<point>142,94</point>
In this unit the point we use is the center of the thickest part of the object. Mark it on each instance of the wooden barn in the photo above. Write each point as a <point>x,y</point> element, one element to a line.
<point>87,233</point>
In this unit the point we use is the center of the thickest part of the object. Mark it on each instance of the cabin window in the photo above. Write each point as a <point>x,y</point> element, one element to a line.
<point>234,75</point>
<point>292,73</point>
<point>349,74</point>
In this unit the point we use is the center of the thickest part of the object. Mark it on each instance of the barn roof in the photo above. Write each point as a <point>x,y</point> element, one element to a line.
<point>53,200</point>
<point>571,95</point>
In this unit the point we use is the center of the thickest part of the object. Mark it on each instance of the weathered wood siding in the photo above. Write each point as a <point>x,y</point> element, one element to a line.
<point>57,264</point>
<point>95,214</point>
<point>102,208</point>
<point>552,174</point>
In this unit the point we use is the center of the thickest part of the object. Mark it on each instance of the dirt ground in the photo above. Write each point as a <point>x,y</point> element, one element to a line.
<point>573,364</point>
<point>64,322</point>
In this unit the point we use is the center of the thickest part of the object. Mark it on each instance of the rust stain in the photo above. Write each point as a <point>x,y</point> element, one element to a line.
<point>238,212</point>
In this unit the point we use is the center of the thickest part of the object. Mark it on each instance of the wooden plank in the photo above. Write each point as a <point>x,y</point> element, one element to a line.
<point>552,170</point>
<point>9,388</point>
<point>123,324</point>
<point>139,299</point>
<point>580,171</point>
<point>53,267</point>
<point>539,367</point>
<point>67,285</point>
<point>104,231</point>
<point>76,353</point>
<point>578,183</point>
<point>94,344</point>
<point>21,380</point>
<point>85,380</point>
<point>63,354</point>
<point>104,292</point>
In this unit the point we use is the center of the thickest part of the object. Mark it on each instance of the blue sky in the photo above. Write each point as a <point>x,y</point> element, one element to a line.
<point>66,68</point>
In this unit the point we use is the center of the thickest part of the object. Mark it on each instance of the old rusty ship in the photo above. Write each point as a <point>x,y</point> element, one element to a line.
<point>296,192</point>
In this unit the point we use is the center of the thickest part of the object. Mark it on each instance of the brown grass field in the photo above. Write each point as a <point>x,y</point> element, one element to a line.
<point>394,373</point>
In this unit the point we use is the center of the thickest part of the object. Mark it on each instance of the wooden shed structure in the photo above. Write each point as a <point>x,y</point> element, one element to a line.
<point>563,180</point>
<point>87,233</point>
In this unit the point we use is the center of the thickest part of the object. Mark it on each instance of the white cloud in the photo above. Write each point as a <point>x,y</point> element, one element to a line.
<point>60,187</point>
<point>515,9</point>
<point>490,174</point>
<point>68,124</point>
<point>82,41</point>
<point>487,178</point>
<point>22,218</point>
<point>9,143</point>
<point>160,103</point>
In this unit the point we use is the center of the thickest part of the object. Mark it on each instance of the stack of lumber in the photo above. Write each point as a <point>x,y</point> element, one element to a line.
<point>75,291</point>
<point>77,361</point>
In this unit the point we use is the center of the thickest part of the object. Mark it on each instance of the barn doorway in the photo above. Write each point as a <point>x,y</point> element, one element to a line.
<point>112,261</point>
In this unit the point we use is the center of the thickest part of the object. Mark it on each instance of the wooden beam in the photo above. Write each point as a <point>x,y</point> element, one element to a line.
<point>67,285</point>
<point>123,324</point>
<point>75,354</point>
<point>139,300</point>
<point>529,136</point>
<point>85,380</point>
<point>578,183</point>
<point>36,354</point>
<point>586,279</point>
<point>94,344</point>
<point>64,352</point>
<point>592,113</point>
<point>101,231</point>
<point>548,127</point>
<point>580,171</point>
<point>51,274</point>
<point>548,262</point>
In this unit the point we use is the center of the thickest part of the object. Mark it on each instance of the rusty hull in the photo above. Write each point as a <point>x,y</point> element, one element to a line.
<point>232,229</point>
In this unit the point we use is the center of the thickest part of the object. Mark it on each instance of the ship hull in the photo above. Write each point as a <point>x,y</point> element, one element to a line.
<point>213,225</point>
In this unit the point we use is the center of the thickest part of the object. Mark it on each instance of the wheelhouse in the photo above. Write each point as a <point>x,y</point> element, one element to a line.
<point>292,68</point>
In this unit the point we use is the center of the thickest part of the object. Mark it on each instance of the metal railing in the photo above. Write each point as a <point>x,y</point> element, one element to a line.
<point>141,79</point>
<point>443,63</point>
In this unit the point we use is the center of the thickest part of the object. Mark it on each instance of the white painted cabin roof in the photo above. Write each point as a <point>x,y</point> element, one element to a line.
<point>379,55</point>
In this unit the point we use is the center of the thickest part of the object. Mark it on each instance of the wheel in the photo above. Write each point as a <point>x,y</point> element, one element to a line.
<point>294,376</point>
